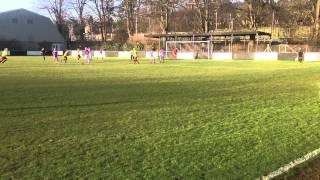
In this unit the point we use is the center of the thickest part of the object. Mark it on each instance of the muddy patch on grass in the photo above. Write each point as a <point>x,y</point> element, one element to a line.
<point>307,171</point>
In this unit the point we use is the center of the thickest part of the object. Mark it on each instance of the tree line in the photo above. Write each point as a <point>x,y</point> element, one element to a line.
<point>164,16</point>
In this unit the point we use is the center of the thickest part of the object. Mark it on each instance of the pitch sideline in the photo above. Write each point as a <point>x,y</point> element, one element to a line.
<point>291,165</point>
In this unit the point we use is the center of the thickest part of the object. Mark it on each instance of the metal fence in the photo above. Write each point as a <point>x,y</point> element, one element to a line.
<point>286,56</point>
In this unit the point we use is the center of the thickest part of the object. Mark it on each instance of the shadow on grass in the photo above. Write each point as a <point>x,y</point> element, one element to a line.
<point>66,106</point>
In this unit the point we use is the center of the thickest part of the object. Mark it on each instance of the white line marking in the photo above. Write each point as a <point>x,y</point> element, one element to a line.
<point>291,165</point>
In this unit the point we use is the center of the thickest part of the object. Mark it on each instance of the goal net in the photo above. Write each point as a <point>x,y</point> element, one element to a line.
<point>188,49</point>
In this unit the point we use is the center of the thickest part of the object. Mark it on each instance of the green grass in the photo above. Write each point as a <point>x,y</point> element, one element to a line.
<point>188,119</point>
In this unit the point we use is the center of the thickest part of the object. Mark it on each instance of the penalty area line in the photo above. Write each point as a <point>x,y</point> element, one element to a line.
<point>284,169</point>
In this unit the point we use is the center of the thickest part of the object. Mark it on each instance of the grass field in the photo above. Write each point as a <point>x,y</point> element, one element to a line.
<point>180,120</point>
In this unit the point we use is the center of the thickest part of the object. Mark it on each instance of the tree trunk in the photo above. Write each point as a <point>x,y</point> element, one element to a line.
<point>251,16</point>
<point>129,10</point>
<point>316,20</point>
<point>82,31</point>
<point>137,16</point>
<point>164,15</point>
<point>207,5</point>
<point>206,19</point>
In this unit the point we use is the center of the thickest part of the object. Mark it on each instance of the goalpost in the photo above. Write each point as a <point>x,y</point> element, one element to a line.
<point>189,49</point>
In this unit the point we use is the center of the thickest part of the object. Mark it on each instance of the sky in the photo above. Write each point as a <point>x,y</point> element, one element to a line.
<point>18,4</point>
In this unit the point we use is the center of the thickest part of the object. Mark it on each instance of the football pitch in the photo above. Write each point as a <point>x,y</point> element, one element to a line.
<point>179,120</point>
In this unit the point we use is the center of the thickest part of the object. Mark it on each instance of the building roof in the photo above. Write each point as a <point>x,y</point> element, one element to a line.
<point>26,26</point>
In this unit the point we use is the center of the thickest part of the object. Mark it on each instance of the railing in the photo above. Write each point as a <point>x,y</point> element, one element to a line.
<point>265,56</point>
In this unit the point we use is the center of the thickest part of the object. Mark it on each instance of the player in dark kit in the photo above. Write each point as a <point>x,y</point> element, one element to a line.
<point>300,55</point>
<point>43,53</point>
<point>78,55</point>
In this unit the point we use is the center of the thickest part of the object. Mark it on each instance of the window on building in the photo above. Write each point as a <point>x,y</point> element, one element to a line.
<point>15,21</point>
<point>29,21</point>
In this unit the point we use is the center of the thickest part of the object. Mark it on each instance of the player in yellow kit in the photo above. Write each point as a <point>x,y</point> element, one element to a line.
<point>79,53</point>
<point>65,56</point>
<point>4,55</point>
<point>135,54</point>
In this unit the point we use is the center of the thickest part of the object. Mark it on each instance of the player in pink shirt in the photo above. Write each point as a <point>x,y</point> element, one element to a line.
<point>162,54</point>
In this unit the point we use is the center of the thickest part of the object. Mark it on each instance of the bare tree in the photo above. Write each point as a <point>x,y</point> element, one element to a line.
<point>204,8</point>
<point>79,7</point>
<point>182,15</point>
<point>129,7</point>
<point>253,13</point>
<point>104,9</point>
<point>56,9</point>
<point>162,10</point>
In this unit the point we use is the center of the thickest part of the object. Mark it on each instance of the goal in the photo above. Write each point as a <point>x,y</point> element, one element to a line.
<point>188,49</point>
